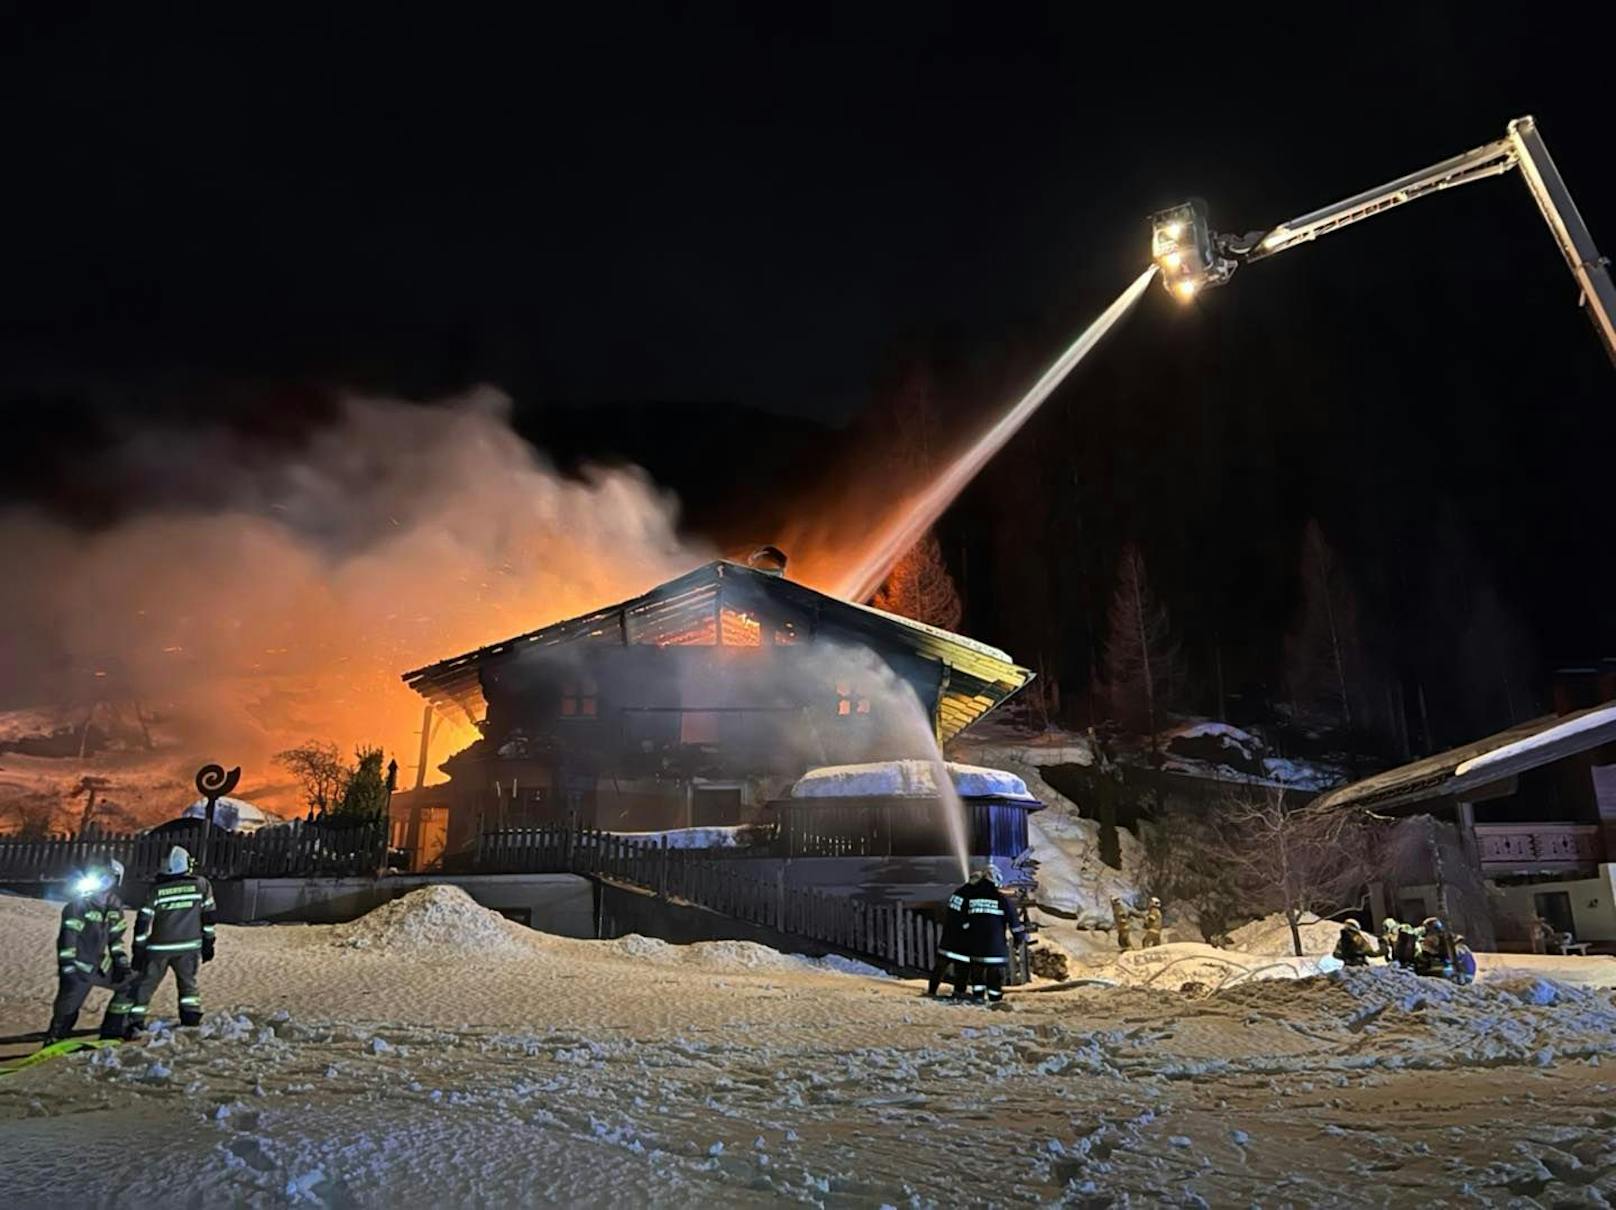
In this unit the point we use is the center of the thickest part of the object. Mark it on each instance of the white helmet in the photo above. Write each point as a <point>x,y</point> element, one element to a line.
<point>991,873</point>
<point>115,868</point>
<point>179,861</point>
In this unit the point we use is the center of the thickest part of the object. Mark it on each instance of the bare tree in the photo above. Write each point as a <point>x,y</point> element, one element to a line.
<point>320,773</point>
<point>1142,662</point>
<point>1323,653</point>
<point>920,587</point>
<point>1293,860</point>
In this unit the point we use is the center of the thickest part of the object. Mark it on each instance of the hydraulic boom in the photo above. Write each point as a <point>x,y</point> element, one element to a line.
<point>1192,257</point>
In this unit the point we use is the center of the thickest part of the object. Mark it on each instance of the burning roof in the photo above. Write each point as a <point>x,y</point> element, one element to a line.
<point>725,603</point>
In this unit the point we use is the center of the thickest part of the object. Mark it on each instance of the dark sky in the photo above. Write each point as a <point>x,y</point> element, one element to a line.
<point>760,204</point>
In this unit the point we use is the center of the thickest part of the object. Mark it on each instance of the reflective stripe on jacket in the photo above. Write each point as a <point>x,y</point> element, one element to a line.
<point>91,936</point>
<point>177,915</point>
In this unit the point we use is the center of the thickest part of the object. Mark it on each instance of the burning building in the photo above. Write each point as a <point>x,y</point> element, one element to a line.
<point>698,702</point>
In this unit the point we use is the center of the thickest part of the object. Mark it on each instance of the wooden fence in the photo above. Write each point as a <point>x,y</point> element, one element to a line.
<point>889,934</point>
<point>294,851</point>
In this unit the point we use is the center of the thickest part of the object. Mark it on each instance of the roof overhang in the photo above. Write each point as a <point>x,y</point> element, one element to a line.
<point>978,677</point>
<point>1472,771</point>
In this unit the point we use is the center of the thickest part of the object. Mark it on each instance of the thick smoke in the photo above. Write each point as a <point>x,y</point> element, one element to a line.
<point>286,606</point>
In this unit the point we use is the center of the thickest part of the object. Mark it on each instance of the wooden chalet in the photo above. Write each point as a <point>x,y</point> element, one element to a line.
<point>696,702</point>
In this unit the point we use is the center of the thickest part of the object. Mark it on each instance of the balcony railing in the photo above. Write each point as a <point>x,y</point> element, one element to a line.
<point>1528,848</point>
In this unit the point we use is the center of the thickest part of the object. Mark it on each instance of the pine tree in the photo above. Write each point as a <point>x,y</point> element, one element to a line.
<point>920,587</point>
<point>1142,662</point>
<point>1324,653</point>
<point>365,795</point>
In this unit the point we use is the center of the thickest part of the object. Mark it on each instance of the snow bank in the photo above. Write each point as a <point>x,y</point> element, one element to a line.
<point>730,956</point>
<point>1272,935</point>
<point>440,920</point>
<point>1172,966</point>
<point>908,779</point>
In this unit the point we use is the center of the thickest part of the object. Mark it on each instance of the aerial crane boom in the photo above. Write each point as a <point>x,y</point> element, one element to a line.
<point>1193,257</point>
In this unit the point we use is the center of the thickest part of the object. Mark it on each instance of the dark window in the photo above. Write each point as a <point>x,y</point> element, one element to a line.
<point>578,699</point>
<point>715,807</point>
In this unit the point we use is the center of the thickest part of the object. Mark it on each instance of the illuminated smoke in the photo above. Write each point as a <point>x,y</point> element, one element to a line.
<point>853,565</point>
<point>286,608</point>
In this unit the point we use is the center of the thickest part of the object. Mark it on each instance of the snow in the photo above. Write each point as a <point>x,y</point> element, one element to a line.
<point>690,838</point>
<point>909,779</point>
<point>1247,744</point>
<point>626,1073</point>
<point>1592,720</point>
<point>435,920</point>
<point>1272,935</point>
<point>232,814</point>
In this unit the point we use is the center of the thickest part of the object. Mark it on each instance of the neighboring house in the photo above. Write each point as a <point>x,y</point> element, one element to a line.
<point>698,702</point>
<point>1535,810</point>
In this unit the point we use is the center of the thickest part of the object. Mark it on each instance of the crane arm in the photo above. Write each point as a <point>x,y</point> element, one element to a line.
<point>1591,270</point>
<point>1477,164</point>
<point>1193,257</point>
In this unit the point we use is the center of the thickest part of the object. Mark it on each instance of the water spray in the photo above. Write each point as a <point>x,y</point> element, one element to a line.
<point>919,514</point>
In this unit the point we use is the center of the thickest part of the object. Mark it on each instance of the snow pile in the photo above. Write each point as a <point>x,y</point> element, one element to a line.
<point>729,956</point>
<point>1170,967</point>
<point>908,779</point>
<point>1406,1020</point>
<point>436,920</point>
<point>1272,935</point>
<point>1072,880</point>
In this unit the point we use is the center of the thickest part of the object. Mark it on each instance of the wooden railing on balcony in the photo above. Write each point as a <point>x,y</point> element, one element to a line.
<point>1530,847</point>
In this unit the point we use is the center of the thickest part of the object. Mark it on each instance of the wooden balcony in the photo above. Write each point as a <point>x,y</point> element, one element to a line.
<point>1526,848</point>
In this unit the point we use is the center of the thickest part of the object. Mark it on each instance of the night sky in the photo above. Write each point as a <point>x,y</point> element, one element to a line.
<point>765,212</point>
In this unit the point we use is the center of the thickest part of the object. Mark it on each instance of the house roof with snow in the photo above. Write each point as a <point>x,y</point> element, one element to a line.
<point>1453,773</point>
<point>911,779</point>
<point>720,603</point>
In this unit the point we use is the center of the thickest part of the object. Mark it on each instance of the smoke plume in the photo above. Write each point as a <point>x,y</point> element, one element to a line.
<point>257,600</point>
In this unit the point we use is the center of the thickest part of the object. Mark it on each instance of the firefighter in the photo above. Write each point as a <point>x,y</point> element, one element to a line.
<point>89,947</point>
<point>1354,947</point>
<point>1153,923</point>
<point>1123,919</point>
<point>174,932</point>
<point>1464,961</point>
<point>1434,953</point>
<point>988,913</point>
<point>951,949</point>
<point>1390,928</point>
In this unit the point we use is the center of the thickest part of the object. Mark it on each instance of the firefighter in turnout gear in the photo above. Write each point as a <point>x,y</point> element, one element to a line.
<point>988,913</point>
<point>1153,923</point>
<point>174,932</point>
<point>89,947</point>
<point>1353,948</point>
<point>1123,919</point>
<point>951,949</point>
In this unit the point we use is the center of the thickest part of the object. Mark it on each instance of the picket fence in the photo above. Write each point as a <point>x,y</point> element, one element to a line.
<point>888,934</point>
<point>297,850</point>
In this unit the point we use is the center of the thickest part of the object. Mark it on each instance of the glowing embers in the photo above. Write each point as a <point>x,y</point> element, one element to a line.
<point>738,629</point>
<point>850,703</point>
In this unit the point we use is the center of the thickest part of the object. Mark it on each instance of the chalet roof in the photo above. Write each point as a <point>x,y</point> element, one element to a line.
<point>1449,774</point>
<point>979,677</point>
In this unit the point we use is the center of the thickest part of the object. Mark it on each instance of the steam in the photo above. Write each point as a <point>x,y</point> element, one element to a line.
<point>286,603</point>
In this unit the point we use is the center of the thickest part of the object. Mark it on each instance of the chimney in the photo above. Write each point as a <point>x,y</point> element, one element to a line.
<point>770,560</point>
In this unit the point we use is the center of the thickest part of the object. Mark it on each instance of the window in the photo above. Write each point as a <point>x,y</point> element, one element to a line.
<point>578,699</point>
<point>850,703</point>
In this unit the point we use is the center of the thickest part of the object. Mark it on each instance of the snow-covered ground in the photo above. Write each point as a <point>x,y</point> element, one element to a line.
<point>456,1059</point>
